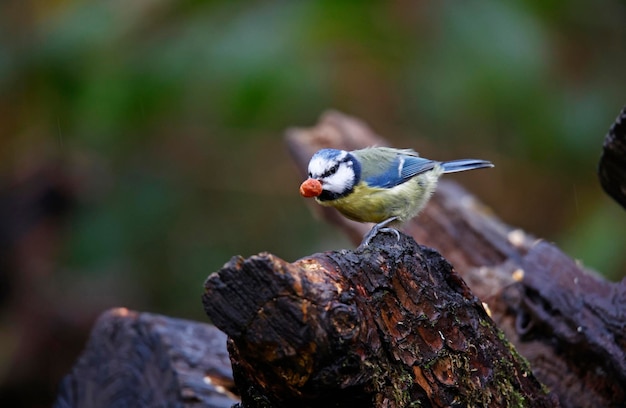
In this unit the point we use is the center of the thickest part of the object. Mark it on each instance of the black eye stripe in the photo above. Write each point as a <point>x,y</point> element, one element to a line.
<point>330,171</point>
<point>334,169</point>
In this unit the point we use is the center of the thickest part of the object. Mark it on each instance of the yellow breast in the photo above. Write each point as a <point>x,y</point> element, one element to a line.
<point>372,204</point>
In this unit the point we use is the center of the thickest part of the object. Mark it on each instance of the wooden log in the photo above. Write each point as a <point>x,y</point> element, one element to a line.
<point>612,166</point>
<point>145,360</point>
<point>566,320</point>
<point>391,325</point>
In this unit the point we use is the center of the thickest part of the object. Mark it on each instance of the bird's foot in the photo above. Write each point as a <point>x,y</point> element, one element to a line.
<point>380,227</point>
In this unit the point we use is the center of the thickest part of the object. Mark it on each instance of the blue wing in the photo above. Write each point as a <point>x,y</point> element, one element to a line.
<point>400,169</point>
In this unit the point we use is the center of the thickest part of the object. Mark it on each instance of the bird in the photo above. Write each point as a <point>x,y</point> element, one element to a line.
<point>381,185</point>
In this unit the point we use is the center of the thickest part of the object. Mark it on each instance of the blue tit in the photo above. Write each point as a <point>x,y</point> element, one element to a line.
<point>382,185</point>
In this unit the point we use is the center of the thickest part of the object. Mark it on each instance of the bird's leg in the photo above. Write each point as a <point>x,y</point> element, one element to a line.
<point>380,227</point>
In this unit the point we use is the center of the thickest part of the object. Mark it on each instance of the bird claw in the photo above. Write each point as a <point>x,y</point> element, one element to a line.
<point>380,227</point>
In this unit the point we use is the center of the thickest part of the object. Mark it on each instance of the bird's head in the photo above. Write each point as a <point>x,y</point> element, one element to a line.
<point>332,174</point>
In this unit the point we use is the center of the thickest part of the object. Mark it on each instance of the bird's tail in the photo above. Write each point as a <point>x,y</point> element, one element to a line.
<point>464,164</point>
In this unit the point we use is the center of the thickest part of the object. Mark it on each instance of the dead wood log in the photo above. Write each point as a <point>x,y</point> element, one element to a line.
<point>145,360</point>
<point>391,325</point>
<point>612,166</point>
<point>566,320</point>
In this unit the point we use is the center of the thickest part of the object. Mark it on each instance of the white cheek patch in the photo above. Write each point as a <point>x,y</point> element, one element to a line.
<point>341,181</point>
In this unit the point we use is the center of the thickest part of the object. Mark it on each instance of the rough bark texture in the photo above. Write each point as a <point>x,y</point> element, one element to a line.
<point>146,360</point>
<point>391,325</point>
<point>567,321</point>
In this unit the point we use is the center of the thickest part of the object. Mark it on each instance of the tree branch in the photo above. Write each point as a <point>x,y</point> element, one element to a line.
<point>387,326</point>
<point>612,167</point>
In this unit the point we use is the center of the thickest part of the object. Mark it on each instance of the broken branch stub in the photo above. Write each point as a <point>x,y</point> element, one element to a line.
<point>388,325</point>
<point>612,165</point>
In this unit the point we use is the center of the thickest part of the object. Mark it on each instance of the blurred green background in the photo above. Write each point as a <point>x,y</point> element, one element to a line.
<point>141,142</point>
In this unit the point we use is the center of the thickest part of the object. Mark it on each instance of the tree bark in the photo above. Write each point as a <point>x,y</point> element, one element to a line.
<point>391,325</point>
<point>568,322</point>
<point>612,167</point>
<point>145,360</point>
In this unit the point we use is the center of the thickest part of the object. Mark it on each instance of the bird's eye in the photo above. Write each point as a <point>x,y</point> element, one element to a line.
<point>332,170</point>
<point>310,175</point>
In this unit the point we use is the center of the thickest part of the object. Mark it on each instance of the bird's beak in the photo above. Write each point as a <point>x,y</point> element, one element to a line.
<point>311,188</point>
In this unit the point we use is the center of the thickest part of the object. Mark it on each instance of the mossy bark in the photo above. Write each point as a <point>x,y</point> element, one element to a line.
<point>389,325</point>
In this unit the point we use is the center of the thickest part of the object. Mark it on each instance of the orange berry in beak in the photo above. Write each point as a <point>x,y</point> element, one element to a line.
<point>311,188</point>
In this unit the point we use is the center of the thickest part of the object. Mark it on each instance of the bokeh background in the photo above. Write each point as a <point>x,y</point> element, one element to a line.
<point>141,142</point>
